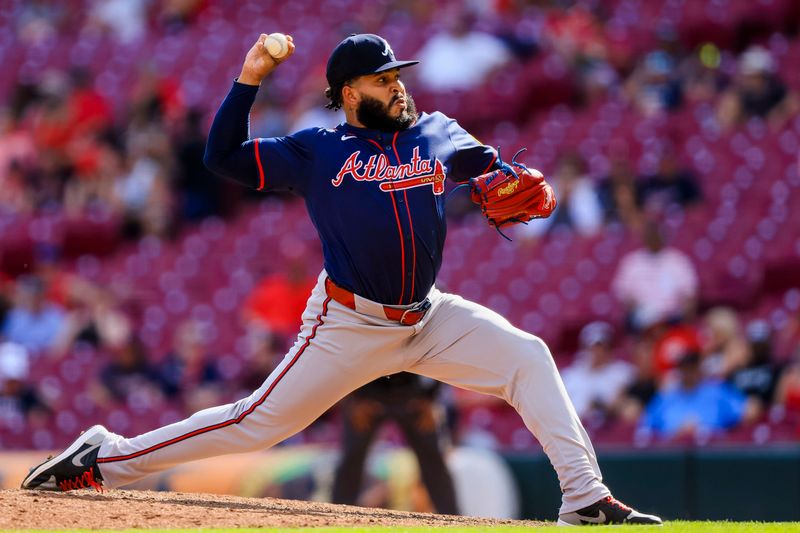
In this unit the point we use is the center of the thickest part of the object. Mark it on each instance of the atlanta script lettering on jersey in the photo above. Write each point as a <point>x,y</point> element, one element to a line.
<point>418,173</point>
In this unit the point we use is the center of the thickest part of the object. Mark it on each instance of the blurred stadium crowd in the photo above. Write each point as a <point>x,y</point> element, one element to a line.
<point>136,288</point>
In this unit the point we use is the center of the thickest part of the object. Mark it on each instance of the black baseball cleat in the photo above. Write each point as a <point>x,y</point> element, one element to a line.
<point>74,468</point>
<point>607,511</point>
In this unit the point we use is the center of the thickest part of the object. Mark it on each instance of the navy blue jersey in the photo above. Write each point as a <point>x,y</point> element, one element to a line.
<point>375,198</point>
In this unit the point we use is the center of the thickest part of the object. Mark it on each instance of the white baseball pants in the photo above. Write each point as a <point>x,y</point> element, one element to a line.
<point>339,349</point>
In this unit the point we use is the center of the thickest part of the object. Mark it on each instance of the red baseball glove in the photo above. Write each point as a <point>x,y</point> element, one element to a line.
<point>512,194</point>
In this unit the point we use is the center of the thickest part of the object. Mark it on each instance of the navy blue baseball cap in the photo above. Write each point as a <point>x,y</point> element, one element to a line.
<point>361,54</point>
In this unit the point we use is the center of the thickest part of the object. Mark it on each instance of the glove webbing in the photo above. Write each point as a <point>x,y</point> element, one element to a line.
<point>505,167</point>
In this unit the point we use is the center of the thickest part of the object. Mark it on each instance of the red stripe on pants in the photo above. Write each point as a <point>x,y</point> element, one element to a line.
<point>234,420</point>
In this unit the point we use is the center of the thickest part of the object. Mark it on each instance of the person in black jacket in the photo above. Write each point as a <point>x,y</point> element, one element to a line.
<point>410,401</point>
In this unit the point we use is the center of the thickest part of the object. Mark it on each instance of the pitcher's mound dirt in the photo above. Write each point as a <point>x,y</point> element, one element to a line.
<point>124,509</point>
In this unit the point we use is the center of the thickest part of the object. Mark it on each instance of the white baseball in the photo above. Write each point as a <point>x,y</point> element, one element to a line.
<point>277,45</point>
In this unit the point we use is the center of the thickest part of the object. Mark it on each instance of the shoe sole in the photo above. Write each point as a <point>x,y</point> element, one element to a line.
<point>74,447</point>
<point>561,523</point>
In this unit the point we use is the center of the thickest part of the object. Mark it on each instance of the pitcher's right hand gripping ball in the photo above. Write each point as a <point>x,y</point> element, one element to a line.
<point>258,63</point>
<point>512,194</point>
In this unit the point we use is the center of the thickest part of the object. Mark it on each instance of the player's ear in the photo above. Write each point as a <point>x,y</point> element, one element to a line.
<point>349,95</point>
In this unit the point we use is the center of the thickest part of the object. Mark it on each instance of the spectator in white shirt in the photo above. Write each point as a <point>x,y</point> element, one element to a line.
<point>596,378</point>
<point>460,58</point>
<point>20,403</point>
<point>579,206</point>
<point>656,283</point>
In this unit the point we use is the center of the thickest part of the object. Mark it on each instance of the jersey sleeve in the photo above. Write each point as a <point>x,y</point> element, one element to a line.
<point>471,158</point>
<point>283,163</point>
<point>276,163</point>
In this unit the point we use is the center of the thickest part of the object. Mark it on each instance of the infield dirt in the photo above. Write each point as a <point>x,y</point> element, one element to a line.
<point>123,509</point>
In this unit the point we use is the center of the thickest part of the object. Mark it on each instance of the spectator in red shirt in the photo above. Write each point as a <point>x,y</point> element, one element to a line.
<point>787,393</point>
<point>88,108</point>
<point>278,301</point>
<point>671,343</point>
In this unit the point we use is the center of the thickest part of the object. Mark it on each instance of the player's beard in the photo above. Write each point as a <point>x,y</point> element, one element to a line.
<point>374,114</point>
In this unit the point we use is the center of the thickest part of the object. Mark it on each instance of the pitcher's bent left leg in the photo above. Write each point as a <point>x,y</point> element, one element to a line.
<point>470,346</point>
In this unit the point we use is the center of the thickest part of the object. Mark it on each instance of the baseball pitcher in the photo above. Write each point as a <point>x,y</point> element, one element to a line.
<point>374,189</point>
